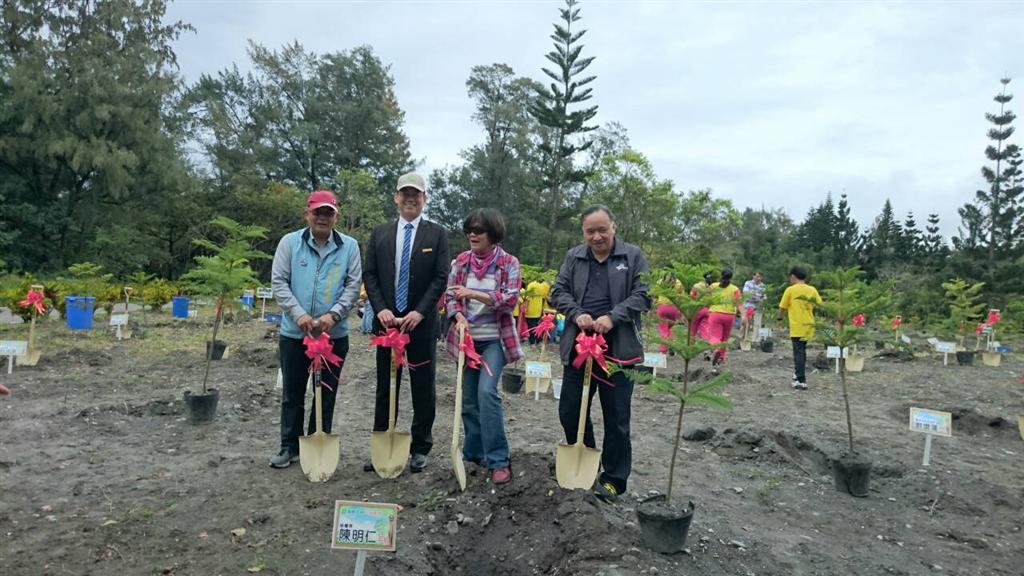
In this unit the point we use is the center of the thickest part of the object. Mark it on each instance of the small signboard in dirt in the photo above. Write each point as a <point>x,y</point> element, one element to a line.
<point>833,352</point>
<point>248,293</point>
<point>538,378</point>
<point>118,320</point>
<point>905,339</point>
<point>364,526</point>
<point>933,341</point>
<point>12,348</point>
<point>655,360</point>
<point>931,423</point>
<point>764,332</point>
<point>945,348</point>
<point>264,293</point>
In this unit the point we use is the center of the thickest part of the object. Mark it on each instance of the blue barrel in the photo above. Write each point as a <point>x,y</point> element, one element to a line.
<point>79,312</point>
<point>248,302</point>
<point>179,307</point>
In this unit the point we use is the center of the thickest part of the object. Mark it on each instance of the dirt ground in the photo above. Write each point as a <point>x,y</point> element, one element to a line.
<point>100,473</point>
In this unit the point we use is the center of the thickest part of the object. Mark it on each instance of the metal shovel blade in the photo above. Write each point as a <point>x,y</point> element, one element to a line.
<point>318,455</point>
<point>31,358</point>
<point>389,451</point>
<point>576,465</point>
<point>318,452</point>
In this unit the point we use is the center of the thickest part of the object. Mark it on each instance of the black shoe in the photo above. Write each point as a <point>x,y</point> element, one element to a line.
<point>368,467</point>
<point>284,458</point>
<point>606,492</point>
<point>417,463</point>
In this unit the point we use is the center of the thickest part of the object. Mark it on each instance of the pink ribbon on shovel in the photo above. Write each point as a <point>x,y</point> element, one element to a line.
<point>896,323</point>
<point>749,313</point>
<point>321,351</point>
<point>473,358</point>
<point>543,328</point>
<point>33,298</point>
<point>993,318</point>
<point>590,346</point>
<point>396,340</point>
<point>858,320</point>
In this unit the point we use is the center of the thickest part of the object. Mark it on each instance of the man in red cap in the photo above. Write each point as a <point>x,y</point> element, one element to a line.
<point>315,278</point>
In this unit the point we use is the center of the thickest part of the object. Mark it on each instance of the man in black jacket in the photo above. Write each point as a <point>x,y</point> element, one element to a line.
<point>405,272</point>
<point>599,290</point>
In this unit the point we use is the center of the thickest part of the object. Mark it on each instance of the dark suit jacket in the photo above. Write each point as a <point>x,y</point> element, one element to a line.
<point>428,272</point>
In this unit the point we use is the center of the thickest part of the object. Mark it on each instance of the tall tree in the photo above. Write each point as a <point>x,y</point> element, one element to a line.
<point>300,118</point>
<point>85,145</point>
<point>569,128</point>
<point>999,204</point>
<point>644,205</point>
<point>881,241</point>
<point>845,232</point>
<point>910,241</point>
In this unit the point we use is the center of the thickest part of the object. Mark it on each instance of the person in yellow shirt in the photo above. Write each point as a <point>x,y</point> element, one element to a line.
<point>798,300</point>
<point>536,302</point>
<point>721,314</point>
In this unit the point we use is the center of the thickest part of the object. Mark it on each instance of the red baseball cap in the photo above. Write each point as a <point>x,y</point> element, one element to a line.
<point>322,198</point>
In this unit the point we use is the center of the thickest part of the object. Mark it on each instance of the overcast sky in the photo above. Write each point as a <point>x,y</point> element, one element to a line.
<point>769,104</point>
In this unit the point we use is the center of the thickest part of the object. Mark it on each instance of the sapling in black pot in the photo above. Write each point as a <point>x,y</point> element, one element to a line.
<point>844,297</point>
<point>663,522</point>
<point>965,310</point>
<point>224,273</point>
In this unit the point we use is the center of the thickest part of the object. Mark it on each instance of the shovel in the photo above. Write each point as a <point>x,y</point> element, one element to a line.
<point>389,450</point>
<point>318,452</point>
<point>457,465</point>
<point>744,341</point>
<point>32,354</point>
<point>576,465</point>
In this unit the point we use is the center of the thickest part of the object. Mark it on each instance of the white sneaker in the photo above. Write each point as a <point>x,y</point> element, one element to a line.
<point>800,385</point>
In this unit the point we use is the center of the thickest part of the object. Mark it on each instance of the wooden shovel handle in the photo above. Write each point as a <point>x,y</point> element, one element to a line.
<point>318,402</point>
<point>587,373</point>
<point>393,391</point>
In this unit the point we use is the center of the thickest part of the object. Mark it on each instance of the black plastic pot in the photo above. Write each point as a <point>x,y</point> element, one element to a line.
<point>767,345</point>
<point>663,528</point>
<point>852,474</point>
<point>202,408</point>
<point>512,380</point>
<point>965,358</point>
<point>219,348</point>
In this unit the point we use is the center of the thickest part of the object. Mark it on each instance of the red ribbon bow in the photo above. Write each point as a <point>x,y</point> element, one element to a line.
<point>543,328</point>
<point>749,313</point>
<point>33,298</point>
<point>320,350</point>
<point>590,346</point>
<point>858,320</point>
<point>395,340</point>
<point>896,323</point>
<point>993,318</point>
<point>473,358</point>
<point>978,329</point>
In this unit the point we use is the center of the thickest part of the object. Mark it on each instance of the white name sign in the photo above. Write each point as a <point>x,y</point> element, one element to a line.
<point>13,347</point>
<point>833,352</point>
<point>538,370</point>
<point>655,360</point>
<point>118,319</point>
<point>945,347</point>
<point>264,293</point>
<point>764,332</point>
<point>931,422</point>
<point>248,293</point>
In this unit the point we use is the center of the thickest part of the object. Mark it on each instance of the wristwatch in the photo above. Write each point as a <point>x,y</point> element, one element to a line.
<point>335,316</point>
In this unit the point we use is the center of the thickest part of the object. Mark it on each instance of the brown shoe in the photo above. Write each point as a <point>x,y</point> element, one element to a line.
<point>501,475</point>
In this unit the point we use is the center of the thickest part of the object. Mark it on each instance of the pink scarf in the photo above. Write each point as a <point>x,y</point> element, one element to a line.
<point>479,265</point>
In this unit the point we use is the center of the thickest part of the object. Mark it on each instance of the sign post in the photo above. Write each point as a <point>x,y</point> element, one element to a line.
<point>945,348</point>
<point>833,352</point>
<point>364,526</point>
<point>538,377</point>
<point>655,360</point>
<point>931,423</point>
<point>263,294</point>
<point>118,320</point>
<point>12,348</point>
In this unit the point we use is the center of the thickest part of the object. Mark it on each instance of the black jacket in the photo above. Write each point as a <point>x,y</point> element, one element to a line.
<point>628,293</point>
<point>428,272</point>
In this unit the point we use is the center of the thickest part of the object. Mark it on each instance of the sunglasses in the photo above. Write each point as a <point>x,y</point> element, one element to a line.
<point>475,230</point>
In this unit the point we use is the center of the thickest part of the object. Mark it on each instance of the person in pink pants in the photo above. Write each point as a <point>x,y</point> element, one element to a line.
<point>721,314</point>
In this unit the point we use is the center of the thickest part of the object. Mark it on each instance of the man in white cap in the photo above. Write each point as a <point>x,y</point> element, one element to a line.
<point>406,271</point>
<point>315,278</point>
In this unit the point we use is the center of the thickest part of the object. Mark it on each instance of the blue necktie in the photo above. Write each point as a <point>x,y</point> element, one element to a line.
<point>402,291</point>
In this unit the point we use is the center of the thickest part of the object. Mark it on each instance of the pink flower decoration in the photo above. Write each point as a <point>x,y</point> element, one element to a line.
<point>858,320</point>
<point>993,318</point>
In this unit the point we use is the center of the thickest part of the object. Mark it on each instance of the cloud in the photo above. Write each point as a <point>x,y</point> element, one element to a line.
<point>769,104</point>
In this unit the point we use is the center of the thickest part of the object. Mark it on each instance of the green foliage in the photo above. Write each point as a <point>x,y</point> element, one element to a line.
<point>965,306</point>
<point>227,270</point>
<point>709,393</point>
<point>14,289</point>
<point>844,295</point>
